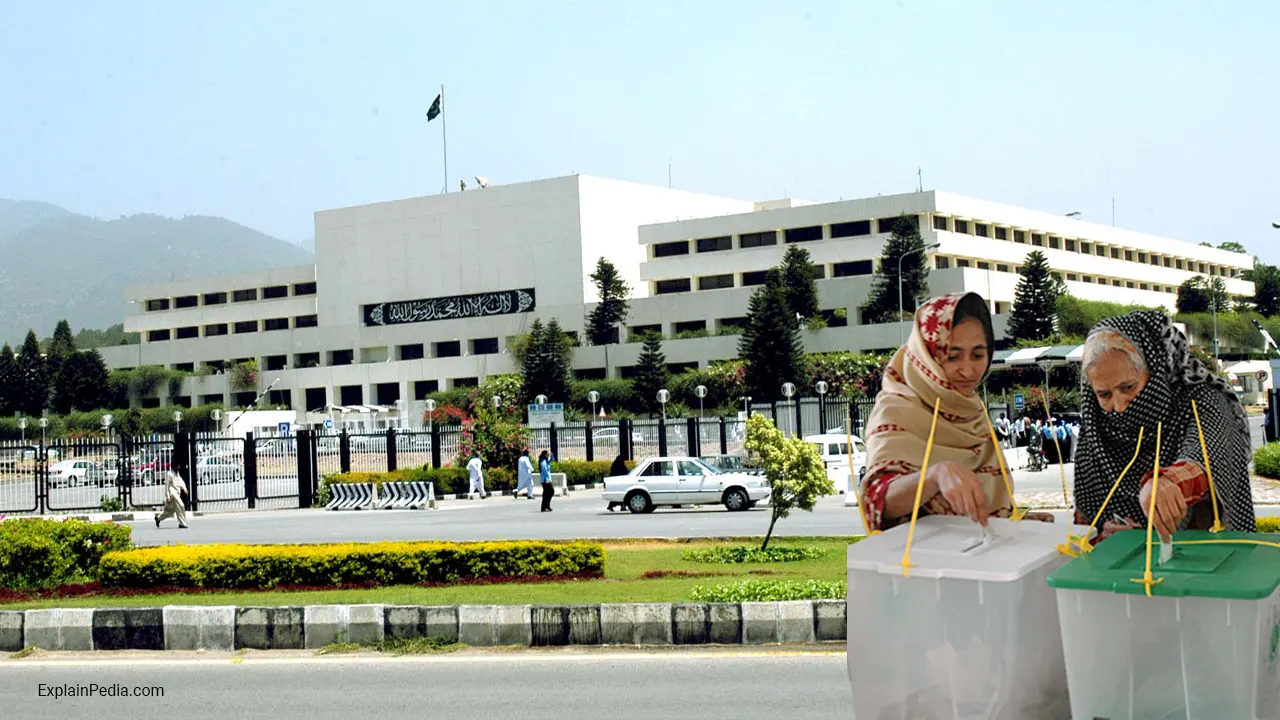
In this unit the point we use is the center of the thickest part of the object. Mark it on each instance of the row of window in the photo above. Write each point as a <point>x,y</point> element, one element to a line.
<point>835,317</point>
<point>751,278</point>
<point>812,233</point>
<point>1087,247</point>
<point>272,292</point>
<point>942,262</point>
<point>238,328</point>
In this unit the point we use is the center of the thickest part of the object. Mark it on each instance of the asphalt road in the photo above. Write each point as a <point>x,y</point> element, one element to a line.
<point>529,685</point>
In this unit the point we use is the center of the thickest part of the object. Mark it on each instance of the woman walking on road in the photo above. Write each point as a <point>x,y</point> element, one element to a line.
<point>544,469</point>
<point>618,469</point>
<point>524,472</point>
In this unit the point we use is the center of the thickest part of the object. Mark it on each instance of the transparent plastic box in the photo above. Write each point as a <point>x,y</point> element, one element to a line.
<point>970,634</point>
<point>1205,647</point>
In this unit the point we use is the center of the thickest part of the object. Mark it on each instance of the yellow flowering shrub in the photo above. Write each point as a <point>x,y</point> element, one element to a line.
<point>381,563</point>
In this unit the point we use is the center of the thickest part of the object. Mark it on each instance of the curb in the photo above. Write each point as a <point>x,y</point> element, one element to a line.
<point>226,628</point>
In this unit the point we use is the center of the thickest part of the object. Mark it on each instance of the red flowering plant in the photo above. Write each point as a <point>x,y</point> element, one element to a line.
<point>494,437</point>
<point>849,374</point>
<point>446,415</point>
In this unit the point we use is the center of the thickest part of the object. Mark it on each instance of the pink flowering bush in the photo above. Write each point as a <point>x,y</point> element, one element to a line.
<point>495,437</point>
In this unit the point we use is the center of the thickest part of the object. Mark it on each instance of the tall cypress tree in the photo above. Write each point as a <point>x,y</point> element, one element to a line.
<point>1035,301</point>
<point>604,318</point>
<point>882,305</point>
<point>770,346</point>
<point>558,352</point>
<point>533,361</point>
<point>799,276</point>
<point>33,376</point>
<point>84,379</point>
<point>61,349</point>
<point>10,382</point>
<point>652,374</point>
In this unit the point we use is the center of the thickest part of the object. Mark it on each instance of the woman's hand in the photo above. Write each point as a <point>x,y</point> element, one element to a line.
<point>1171,507</point>
<point>962,490</point>
<point>1039,517</point>
<point>1111,527</point>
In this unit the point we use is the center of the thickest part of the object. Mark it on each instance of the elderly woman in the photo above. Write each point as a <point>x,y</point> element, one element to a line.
<point>1139,372</point>
<point>946,359</point>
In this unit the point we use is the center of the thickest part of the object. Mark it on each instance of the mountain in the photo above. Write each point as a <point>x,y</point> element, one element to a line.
<point>57,264</point>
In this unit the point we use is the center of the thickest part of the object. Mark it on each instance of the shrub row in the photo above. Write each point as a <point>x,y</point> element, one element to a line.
<point>1269,525</point>
<point>39,553</point>
<point>1266,460</point>
<point>455,480</point>
<point>383,563</point>
<point>769,591</point>
<point>750,554</point>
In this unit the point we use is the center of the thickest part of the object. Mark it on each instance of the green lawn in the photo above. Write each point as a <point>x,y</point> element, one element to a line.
<point>625,563</point>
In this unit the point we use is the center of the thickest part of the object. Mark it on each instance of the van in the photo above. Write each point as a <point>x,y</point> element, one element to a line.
<point>834,449</point>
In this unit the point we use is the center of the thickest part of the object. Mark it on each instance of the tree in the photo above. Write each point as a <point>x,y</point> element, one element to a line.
<point>544,361</point>
<point>770,345</point>
<point>1219,298</point>
<point>652,374</point>
<point>10,381</point>
<point>799,276</point>
<point>611,311</point>
<point>1266,289</point>
<point>793,467</point>
<point>1232,246</point>
<point>882,306</point>
<point>1035,300</point>
<point>60,350</point>
<point>1193,296</point>
<point>33,396</point>
<point>494,437</point>
<point>84,381</point>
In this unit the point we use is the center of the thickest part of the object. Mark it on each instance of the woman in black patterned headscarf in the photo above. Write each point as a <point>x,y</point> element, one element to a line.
<point>1138,371</point>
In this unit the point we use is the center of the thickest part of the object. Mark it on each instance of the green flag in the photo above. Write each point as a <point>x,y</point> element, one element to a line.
<point>435,109</point>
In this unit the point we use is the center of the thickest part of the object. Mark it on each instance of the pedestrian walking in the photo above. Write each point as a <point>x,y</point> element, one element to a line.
<point>524,473</point>
<point>1003,430</point>
<point>174,489</point>
<point>618,469</point>
<point>475,468</point>
<point>544,468</point>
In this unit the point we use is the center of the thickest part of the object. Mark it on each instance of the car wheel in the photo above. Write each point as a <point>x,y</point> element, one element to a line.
<point>736,500</point>
<point>637,502</point>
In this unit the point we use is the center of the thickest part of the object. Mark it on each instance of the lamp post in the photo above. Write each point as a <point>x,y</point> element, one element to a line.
<point>789,389</point>
<point>216,416</point>
<point>701,392</point>
<point>901,309</point>
<point>22,428</point>
<point>431,409</point>
<point>746,407</point>
<point>44,425</point>
<point>106,425</point>
<point>663,397</point>
<point>821,388</point>
<point>541,399</point>
<point>593,397</point>
<point>177,421</point>
<point>497,402</point>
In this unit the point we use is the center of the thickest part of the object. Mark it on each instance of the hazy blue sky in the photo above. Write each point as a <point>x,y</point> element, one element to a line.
<point>266,111</point>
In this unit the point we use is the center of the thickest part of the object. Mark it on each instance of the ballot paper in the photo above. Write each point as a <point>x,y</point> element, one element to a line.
<point>1166,552</point>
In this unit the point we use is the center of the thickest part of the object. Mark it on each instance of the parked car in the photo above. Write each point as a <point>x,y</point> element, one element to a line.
<point>77,473</point>
<point>683,481</point>
<point>216,469</point>
<point>149,467</point>
<point>835,451</point>
<point>732,464</point>
<point>610,436</point>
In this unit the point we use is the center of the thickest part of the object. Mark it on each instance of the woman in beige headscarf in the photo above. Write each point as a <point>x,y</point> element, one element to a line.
<point>945,360</point>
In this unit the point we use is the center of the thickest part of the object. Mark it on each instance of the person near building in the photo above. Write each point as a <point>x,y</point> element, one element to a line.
<point>1138,371</point>
<point>1003,430</point>
<point>944,362</point>
<point>475,469</point>
<point>544,469</point>
<point>524,475</point>
<point>174,489</point>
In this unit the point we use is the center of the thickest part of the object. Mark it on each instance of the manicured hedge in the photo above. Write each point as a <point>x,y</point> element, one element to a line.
<point>383,563</point>
<point>37,552</point>
<point>1269,525</point>
<point>1266,460</point>
<point>769,591</point>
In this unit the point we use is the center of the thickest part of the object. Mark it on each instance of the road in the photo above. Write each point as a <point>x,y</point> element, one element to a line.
<point>689,685</point>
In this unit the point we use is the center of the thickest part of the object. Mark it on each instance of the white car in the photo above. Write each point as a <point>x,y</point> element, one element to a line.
<point>216,469</point>
<point>609,436</point>
<point>834,449</point>
<point>70,473</point>
<point>683,481</point>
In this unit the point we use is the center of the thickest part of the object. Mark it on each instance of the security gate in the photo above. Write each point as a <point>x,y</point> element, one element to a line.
<point>19,474</point>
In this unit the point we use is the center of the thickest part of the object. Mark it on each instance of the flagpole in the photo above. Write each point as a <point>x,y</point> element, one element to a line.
<point>444,128</point>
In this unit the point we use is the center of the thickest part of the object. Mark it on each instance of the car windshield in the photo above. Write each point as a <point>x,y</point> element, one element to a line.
<point>708,467</point>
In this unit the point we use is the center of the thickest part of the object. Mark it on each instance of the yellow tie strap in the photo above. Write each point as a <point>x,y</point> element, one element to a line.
<point>1147,580</point>
<point>915,508</point>
<point>1086,546</point>
<point>1204,451</point>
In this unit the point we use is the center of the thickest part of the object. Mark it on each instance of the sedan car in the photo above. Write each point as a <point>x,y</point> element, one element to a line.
<point>676,481</point>
<point>217,469</point>
<point>75,473</point>
<point>732,463</point>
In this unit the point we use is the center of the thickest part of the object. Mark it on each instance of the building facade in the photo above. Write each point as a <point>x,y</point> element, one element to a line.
<point>424,294</point>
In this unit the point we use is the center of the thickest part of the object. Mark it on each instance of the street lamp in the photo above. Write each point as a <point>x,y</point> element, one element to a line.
<point>821,388</point>
<point>541,399</point>
<point>926,248</point>
<point>701,392</point>
<point>789,389</point>
<point>44,424</point>
<point>593,397</point>
<point>22,427</point>
<point>216,416</point>
<point>431,409</point>
<point>663,397</point>
<point>177,421</point>
<point>497,402</point>
<point>106,425</point>
<point>746,407</point>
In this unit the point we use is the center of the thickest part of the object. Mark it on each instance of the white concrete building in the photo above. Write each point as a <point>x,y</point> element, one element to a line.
<point>412,296</point>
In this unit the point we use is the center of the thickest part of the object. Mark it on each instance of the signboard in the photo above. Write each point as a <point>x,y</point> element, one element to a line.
<point>1262,376</point>
<point>283,428</point>
<point>457,307</point>
<point>545,414</point>
<point>328,423</point>
<point>1019,401</point>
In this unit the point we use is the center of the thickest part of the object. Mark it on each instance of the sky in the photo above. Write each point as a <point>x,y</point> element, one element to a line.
<point>264,112</point>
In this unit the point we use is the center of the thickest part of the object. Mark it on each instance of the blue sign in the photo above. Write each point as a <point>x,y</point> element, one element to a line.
<point>1019,401</point>
<point>328,423</point>
<point>283,428</point>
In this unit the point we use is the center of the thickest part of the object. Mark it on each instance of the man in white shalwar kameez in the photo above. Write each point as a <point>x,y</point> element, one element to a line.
<point>174,489</point>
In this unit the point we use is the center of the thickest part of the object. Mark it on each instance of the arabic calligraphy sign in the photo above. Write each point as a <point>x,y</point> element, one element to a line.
<point>505,302</point>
